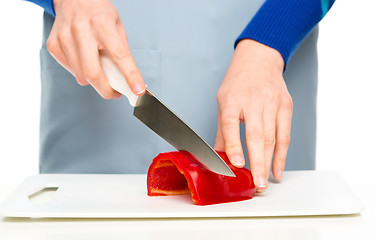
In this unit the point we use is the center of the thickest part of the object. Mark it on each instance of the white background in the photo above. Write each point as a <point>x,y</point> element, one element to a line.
<point>346,95</point>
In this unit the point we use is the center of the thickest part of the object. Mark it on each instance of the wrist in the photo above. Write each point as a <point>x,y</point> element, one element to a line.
<point>57,4</point>
<point>248,49</point>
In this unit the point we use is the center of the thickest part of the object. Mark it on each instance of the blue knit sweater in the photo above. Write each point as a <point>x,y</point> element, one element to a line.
<point>280,24</point>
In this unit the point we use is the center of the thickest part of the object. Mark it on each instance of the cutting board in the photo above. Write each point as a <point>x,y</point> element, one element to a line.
<point>125,196</point>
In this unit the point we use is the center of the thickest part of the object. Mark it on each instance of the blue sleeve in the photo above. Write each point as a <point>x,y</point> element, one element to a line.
<point>283,24</point>
<point>46,4</point>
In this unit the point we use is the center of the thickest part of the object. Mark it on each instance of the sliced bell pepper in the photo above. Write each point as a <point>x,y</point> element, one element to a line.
<point>177,173</point>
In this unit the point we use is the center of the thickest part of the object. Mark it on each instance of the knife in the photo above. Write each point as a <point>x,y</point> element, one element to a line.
<point>160,119</point>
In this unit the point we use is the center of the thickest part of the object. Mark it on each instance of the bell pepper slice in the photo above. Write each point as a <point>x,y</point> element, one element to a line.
<point>178,173</point>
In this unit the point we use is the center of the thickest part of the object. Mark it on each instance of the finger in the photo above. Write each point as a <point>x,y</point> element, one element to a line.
<point>230,129</point>
<point>283,128</point>
<point>70,51</point>
<point>255,145</point>
<point>219,141</point>
<point>55,49</point>
<point>138,87</point>
<point>91,67</point>
<point>115,43</point>
<point>269,128</point>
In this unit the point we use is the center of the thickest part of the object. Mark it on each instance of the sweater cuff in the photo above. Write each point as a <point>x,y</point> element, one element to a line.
<point>46,4</point>
<point>283,25</point>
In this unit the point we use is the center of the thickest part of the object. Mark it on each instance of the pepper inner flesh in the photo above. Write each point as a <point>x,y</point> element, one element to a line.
<point>168,180</point>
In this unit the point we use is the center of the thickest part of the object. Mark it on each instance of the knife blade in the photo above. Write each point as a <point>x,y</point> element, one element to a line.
<point>160,119</point>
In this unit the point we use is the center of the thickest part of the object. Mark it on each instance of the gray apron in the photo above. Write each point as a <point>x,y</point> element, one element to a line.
<point>183,49</point>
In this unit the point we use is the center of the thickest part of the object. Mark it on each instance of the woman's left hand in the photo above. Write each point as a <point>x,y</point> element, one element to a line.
<point>254,92</point>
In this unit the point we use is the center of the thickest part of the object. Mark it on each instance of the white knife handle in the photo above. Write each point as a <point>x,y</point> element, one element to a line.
<point>116,78</point>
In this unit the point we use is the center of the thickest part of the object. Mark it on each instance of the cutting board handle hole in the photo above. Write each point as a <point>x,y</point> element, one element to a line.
<point>42,196</point>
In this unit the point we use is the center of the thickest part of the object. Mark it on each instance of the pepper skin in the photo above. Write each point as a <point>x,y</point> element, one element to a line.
<point>177,173</point>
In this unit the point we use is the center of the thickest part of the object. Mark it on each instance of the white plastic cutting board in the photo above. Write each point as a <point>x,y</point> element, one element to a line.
<point>125,196</point>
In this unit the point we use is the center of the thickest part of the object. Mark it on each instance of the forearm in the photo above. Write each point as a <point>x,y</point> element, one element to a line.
<point>283,25</point>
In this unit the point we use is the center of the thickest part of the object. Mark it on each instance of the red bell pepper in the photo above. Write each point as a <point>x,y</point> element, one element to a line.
<point>177,173</point>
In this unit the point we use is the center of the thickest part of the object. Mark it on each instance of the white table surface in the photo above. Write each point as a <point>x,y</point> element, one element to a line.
<point>359,226</point>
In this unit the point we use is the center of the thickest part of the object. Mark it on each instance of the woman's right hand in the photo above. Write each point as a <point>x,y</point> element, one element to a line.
<point>81,29</point>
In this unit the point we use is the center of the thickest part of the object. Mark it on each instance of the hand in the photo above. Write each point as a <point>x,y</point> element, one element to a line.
<point>81,29</point>
<point>254,92</point>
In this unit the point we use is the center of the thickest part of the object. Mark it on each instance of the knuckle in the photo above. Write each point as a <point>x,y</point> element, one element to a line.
<point>63,35</point>
<point>233,148</point>
<point>268,92</point>
<point>107,94</point>
<point>254,94</point>
<point>77,27</point>
<point>120,53</point>
<point>100,20</point>
<point>81,81</point>
<point>287,102</point>
<point>228,122</point>
<point>91,75</point>
<point>225,102</point>
<point>52,43</point>
<point>284,140</point>
<point>220,94</point>
<point>269,140</point>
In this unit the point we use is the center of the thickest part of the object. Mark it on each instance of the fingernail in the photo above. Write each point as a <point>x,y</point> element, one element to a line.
<point>262,184</point>
<point>138,88</point>
<point>237,161</point>
<point>261,190</point>
<point>279,174</point>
